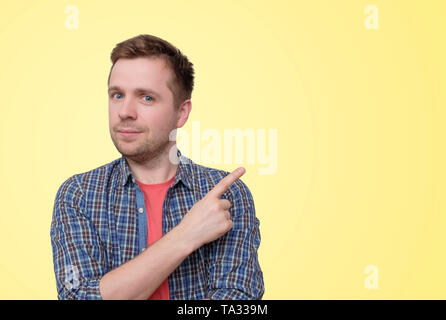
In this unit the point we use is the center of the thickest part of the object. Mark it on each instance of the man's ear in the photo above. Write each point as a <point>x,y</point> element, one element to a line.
<point>183,112</point>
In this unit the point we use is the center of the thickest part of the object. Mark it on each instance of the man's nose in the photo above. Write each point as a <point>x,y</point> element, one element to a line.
<point>128,109</point>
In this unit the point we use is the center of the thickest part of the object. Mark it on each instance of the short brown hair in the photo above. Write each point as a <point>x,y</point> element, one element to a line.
<point>144,45</point>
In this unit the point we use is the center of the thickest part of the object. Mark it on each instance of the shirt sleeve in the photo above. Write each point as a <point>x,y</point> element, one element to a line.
<point>78,255</point>
<point>234,270</point>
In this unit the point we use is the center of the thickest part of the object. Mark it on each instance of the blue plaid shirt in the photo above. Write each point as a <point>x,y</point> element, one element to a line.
<point>100,222</point>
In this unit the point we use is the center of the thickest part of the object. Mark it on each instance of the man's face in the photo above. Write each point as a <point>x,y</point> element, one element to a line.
<point>139,100</point>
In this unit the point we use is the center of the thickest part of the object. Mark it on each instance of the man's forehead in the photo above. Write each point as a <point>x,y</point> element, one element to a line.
<point>146,64</point>
<point>138,73</point>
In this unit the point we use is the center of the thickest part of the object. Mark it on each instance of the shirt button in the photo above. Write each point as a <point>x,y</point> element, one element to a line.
<point>141,210</point>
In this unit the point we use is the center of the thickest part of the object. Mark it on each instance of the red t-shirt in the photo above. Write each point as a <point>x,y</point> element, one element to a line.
<point>154,195</point>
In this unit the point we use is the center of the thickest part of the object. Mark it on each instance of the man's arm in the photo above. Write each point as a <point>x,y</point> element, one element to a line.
<point>76,245</point>
<point>80,268</point>
<point>78,256</point>
<point>237,251</point>
<point>140,277</point>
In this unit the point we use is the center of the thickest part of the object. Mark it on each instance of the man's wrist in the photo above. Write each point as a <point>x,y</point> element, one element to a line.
<point>183,240</point>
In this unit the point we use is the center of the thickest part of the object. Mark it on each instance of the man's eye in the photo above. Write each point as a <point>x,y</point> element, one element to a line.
<point>148,100</point>
<point>113,94</point>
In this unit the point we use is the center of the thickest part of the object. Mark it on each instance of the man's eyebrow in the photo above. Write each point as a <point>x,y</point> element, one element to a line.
<point>136,90</point>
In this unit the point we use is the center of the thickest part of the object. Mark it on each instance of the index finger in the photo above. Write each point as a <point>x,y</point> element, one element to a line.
<point>223,185</point>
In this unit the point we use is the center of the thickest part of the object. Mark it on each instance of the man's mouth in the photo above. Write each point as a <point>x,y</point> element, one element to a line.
<point>128,132</point>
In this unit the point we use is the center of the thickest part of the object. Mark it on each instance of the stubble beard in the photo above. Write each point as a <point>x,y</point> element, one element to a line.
<point>144,151</point>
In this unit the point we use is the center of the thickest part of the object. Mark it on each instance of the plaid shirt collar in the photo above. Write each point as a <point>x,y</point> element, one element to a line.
<point>183,172</point>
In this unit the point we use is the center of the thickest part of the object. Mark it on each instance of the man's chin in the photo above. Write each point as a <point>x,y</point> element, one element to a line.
<point>128,152</point>
<point>140,155</point>
<point>141,152</point>
<point>137,157</point>
<point>131,153</point>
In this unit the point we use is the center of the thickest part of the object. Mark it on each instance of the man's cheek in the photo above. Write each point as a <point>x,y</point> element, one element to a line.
<point>156,118</point>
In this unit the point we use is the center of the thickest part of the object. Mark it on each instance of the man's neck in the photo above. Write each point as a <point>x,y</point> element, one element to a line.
<point>157,170</point>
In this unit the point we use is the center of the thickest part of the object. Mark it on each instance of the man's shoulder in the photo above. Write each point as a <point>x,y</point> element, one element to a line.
<point>77,183</point>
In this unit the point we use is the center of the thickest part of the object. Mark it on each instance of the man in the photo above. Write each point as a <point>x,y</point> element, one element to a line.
<point>153,224</point>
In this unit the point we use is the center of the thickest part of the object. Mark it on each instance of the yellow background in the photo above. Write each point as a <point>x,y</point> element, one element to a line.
<point>360,118</point>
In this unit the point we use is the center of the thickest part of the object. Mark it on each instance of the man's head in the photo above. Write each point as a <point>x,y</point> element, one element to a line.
<point>150,86</point>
